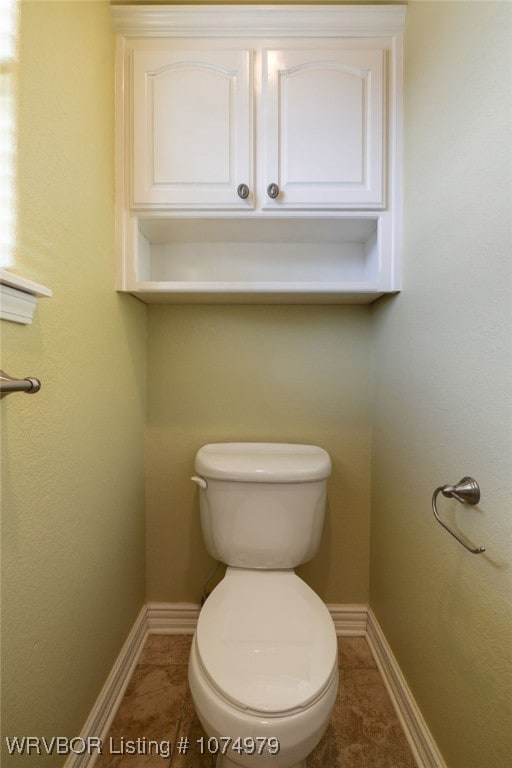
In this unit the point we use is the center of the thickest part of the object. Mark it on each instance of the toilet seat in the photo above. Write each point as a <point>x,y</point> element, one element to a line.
<point>266,642</point>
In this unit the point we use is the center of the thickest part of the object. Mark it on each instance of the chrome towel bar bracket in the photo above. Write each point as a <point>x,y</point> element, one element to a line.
<point>9,384</point>
<point>467,491</point>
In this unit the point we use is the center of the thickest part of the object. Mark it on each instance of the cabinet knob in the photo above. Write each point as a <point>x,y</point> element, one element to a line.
<point>273,191</point>
<point>243,191</point>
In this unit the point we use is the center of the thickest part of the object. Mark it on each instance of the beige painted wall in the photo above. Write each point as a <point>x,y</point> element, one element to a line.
<point>72,455</point>
<point>443,386</point>
<point>298,374</point>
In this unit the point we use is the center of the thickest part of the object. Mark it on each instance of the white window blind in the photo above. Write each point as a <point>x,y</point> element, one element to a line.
<point>8,53</point>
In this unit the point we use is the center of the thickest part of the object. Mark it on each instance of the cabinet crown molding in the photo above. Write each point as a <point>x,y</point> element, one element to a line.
<point>260,20</point>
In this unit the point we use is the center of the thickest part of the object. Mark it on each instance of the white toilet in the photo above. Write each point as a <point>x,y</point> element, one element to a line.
<point>263,669</point>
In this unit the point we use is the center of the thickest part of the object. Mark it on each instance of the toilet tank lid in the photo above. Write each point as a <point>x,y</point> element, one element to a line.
<point>263,462</point>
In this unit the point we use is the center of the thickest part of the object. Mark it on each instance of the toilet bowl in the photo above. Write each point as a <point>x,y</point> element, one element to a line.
<point>263,670</point>
<point>263,667</point>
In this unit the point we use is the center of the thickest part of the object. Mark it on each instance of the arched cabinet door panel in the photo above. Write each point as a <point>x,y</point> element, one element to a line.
<point>324,122</point>
<point>192,137</point>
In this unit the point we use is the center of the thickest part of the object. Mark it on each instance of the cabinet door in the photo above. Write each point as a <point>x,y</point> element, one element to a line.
<point>192,128</point>
<point>324,122</point>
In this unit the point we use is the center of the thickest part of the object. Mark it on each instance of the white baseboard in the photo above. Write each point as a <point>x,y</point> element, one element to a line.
<point>349,620</point>
<point>420,739</point>
<point>107,703</point>
<point>172,618</point>
<point>181,618</point>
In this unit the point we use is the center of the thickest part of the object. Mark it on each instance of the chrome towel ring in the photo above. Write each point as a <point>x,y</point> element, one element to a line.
<point>467,491</point>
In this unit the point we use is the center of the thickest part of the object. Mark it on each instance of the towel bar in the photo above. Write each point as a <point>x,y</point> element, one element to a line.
<point>8,384</point>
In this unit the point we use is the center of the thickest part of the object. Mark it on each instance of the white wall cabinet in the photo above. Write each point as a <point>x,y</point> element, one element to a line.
<point>258,152</point>
<point>319,143</point>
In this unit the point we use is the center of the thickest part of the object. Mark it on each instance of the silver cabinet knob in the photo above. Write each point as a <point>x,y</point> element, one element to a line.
<point>272,191</point>
<point>243,191</point>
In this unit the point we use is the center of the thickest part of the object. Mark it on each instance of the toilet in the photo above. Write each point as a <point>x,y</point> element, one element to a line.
<point>263,669</point>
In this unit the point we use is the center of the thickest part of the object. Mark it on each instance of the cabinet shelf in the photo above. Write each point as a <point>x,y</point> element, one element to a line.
<point>174,292</point>
<point>259,260</point>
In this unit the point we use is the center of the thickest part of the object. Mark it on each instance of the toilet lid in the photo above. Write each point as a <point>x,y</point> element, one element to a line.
<point>266,642</point>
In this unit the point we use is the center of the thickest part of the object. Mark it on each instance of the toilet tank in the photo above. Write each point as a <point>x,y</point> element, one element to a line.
<point>262,505</point>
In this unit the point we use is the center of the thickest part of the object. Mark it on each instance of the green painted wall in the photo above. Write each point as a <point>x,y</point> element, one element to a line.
<point>297,374</point>
<point>72,455</point>
<point>443,386</point>
<point>423,402</point>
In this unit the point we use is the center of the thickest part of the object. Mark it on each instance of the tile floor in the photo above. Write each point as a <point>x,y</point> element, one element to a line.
<point>364,731</point>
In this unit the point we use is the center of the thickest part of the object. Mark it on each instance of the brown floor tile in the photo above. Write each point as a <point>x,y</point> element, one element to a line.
<point>166,649</point>
<point>354,653</point>
<point>190,727</point>
<point>150,711</point>
<point>364,731</point>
